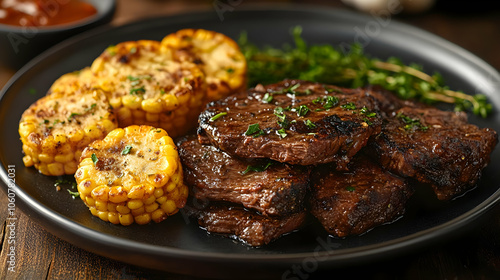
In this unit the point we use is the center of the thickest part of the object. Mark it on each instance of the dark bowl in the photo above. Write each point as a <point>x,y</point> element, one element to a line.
<point>18,45</point>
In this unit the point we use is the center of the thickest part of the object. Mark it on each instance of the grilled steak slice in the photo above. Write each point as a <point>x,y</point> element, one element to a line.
<point>435,147</point>
<point>247,226</point>
<point>349,203</point>
<point>214,175</point>
<point>293,121</point>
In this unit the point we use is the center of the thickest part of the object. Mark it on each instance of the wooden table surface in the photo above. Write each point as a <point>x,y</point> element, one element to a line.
<point>474,254</point>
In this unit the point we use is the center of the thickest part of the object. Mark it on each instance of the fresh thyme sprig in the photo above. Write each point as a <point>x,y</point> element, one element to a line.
<point>326,64</point>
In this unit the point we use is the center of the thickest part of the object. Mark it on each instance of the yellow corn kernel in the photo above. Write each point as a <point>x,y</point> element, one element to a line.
<point>93,132</point>
<point>126,219</point>
<point>157,180</point>
<point>111,207</point>
<point>45,158</point>
<point>86,162</point>
<point>115,102</point>
<point>169,206</point>
<point>42,167</point>
<point>138,211</point>
<point>76,136</point>
<point>93,211</point>
<point>158,215</point>
<point>89,201</point>
<point>113,217</point>
<point>152,105</point>
<point>151,207</point>
<point>64,158</point>
<point>134,204</point>
<point>138,116</point>
<point>124,116</point>
<point>26,128</point>
<point>101,206</point>
<point>103,215</point>
<point>117,195</point>
<point>116,134</point>
<point>143,219</point>
<point>170,102</point>
<point>122,209</point>
<point>28,161</point>
<point>160,200</point>
<point>108,125</point>
<point>152,117</point>
<point>70,167</point>
<point>171,186</point>
<point>55,169</point>
<point>136,192</point>
<point>149,200</point>
<point>132,101</point>
<point>158,193</point>
<point>100,193</point>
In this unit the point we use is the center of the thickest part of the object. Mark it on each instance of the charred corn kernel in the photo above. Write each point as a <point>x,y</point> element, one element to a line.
<point>132,171</point>
<point>148,84</point>
<point>55,129</point>
<point>222,61</point>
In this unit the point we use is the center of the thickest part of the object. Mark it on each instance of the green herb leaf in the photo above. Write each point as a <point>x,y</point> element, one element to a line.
<point>217,116</point>
<point>350,188</point>
<point>282,132</point>
<point>256,168</point>
<point>140,90</point>
<point>74,194</point>
<point>254,130</point>
<point>127,149</point>
<point>267,98</point>
<point>94,159</point>
<point>302,110</point>
<point>348,106</point>
<point>309,124</point>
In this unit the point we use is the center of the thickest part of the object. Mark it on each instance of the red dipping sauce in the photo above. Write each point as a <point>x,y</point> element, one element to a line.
<point>44,12</point>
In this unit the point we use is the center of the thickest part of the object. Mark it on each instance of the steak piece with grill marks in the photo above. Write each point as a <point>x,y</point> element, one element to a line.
<point>353,202</point>
<point>246,225</point>
<point>293,121</point>
<point>273,188</point>
<point>436,147</point>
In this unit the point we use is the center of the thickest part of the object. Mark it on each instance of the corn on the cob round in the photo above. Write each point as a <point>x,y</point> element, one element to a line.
<point>56,128</point>
<point>132,175</point>
<point>218,55</point>
<point>147,87</point>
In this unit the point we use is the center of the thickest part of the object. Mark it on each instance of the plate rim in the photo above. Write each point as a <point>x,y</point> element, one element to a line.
<point>55,219</point>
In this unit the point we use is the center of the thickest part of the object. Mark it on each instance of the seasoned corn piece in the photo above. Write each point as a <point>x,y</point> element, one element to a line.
<point>132,175</point>
<point>218,55</point>
<point>147,86</point>
<point>56,128</point>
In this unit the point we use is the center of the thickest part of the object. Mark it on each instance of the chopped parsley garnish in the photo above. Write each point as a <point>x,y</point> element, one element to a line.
<point>74,194</point>
<point>367,113</point>
<point>92,107</point>
<point>140,90</point>
<point>350,188</point>
<point>281,132</point>
<point>348,106</point>
<point>127,149</point>
<point>254,130</point>
<point>302,110</point>
<point>267,98</point>
<point>94,159</point>
<point>330,102</point>
<point>309,124</point>
<point>256,168</point>
<point>218,116</point>
<point>412,124</point>
<point>73,115</point>
<point>282,119</point>
<point>230,70</point>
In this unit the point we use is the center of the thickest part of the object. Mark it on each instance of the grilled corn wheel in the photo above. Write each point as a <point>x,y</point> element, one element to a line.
<point>218,55</point>
<point>147,87</point>
<point>56,128</point>
<point>132,175</point>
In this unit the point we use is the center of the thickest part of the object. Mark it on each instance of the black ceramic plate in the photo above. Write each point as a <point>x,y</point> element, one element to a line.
<point>178,245</point>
